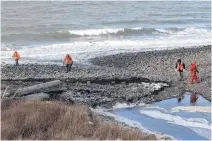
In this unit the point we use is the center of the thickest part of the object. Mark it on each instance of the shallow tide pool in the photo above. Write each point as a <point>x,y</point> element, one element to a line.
<point>183,121</point>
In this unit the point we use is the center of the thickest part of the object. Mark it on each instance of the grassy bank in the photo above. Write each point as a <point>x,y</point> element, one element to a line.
<point>48,120</point>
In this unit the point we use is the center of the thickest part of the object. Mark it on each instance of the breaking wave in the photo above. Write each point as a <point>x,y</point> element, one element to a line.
<point>137,31</point>
<point>82,50</point>
<point>127,31</point>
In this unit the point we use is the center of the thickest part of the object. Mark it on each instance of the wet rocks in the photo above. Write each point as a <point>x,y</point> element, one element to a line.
<point>108,95</point>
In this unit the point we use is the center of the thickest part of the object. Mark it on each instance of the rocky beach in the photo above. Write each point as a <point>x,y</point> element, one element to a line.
<point>128,78</point>
<point>123,83</point>
<point>132,78</point>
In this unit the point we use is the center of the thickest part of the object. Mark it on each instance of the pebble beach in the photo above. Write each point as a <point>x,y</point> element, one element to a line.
<point>124,57</point>
<point>124,78</point>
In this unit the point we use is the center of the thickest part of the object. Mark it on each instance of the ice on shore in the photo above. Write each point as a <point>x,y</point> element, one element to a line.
<point>153,86</point>
<point>125,105</point>
<point>156,107</point>
<point>188,122</point>
<point>129,122</point>
<point>205,109</point>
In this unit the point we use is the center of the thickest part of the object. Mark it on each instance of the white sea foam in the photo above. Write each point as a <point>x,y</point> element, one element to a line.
<point>164,31</point>
<point>95,32</point>
<point>83,50</point>
<point>104,31</point>
<point>137,28</point>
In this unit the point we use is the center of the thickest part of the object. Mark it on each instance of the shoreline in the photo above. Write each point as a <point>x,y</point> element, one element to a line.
<point>115,119</point>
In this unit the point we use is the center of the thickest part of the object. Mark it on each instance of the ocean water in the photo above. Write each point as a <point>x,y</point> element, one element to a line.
<point>45,31</point>
<point>189,122</point>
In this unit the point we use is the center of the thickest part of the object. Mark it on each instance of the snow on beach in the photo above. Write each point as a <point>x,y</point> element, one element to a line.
<point>198,125</point>
<point>192,109</point>
<point>125,105</point>
<point>191,122</point>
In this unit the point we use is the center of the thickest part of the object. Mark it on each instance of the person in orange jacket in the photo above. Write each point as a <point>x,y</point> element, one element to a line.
<point>16,56</point>
<point>69,62</point>
<point>180,67</point>
<point>193,71</point>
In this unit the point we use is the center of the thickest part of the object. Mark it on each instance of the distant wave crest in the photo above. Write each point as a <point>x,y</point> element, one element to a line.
<point>118,32</point>
<point>126,31</point>
<point>106,31</point>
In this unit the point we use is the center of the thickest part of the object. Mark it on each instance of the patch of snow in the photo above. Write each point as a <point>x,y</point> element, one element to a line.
<point>187,122</point>
<point>156,107</point>
<point>153,86</point>
<point>125,105</point>
<point>204,109</point>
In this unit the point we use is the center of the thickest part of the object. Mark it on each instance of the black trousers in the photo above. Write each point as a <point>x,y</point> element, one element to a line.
<point>16,62</point>
<point>181,74</point>
<point>68,67</point>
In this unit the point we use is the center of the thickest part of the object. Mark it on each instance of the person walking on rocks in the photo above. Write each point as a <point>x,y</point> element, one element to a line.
<point>16,56</point>
<point>193,71</point>
<point>69,62</point>
<point>180,67</point>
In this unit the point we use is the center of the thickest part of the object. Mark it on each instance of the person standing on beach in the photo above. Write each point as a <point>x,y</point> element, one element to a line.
<point>193,71</point>
<point>69,62</point>
<point>180,67</point>
<point>16,56</point>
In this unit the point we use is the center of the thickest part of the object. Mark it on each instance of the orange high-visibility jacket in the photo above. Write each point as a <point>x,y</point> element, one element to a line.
<point>193,69</point>
<point>68,59</point>
<point>16,55</point>
<point>179,67</point>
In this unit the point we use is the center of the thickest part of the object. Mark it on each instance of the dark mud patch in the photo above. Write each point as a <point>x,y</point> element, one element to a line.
<point>101,92</point>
